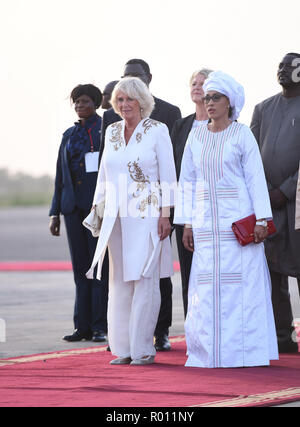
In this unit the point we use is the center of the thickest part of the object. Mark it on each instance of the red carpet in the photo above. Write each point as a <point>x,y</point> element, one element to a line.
<point>36,266</point>
<point>84,378</point>
<point>46,266</point>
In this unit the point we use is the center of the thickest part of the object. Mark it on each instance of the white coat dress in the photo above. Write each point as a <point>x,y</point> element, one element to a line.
<point>134,182</point>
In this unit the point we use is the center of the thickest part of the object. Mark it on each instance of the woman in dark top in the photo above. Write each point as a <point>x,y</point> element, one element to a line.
<point>75,183</point>
<point>180,133</point>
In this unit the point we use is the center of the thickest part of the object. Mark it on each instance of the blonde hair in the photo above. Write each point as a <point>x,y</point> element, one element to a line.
<point>205,71</point>
<point>135,89</point>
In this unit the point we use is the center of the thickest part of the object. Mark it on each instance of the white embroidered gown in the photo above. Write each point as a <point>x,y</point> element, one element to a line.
<point>230,319</point>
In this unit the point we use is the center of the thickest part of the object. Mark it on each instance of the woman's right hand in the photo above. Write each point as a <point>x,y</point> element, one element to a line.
<point>188,239</point>
<point>55,226</point>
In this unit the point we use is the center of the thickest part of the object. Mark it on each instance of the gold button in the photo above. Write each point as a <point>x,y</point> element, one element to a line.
<point>79,182</point>
<point>81,164</point>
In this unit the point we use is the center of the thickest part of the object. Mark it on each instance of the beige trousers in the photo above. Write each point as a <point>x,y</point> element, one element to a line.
<point>133,307</point>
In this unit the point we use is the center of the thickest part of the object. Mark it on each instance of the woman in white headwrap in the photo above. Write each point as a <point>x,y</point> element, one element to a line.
<point>230,320</point>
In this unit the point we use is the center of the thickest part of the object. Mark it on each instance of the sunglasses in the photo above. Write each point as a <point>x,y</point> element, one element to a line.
<point>215,97</point>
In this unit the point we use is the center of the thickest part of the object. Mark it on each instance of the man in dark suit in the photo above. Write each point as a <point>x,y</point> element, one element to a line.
<point>75,184</point>
<point>276,126</point>
<point>168,114</point>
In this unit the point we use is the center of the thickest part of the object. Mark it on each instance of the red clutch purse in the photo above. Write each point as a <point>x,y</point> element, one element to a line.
<point>244,229</point>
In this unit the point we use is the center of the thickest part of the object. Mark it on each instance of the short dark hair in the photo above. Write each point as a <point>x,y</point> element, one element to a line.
<point>110,86</point>
<point>144,64</point>
<point>90,90</point>
<point>293,54</point>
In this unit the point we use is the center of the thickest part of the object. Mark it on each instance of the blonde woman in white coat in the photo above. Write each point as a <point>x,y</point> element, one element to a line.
<point>136,184</point>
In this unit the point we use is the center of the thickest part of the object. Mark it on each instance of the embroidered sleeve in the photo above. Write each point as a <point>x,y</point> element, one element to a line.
<point>116,135</point>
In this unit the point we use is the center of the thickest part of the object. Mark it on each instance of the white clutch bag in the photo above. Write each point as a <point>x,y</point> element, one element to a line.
<point>94,219</point>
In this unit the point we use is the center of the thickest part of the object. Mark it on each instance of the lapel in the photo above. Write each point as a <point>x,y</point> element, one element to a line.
<point>65,164</point>
<point>180,138</point>
<point>183,134</point>
<point>136,136</point>
<point>156,113</point>
<point>188,126</point>
<point>277,114</point>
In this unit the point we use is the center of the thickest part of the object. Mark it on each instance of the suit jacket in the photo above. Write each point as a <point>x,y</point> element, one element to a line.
<point>179,136</point>
<point>163,112</point>
<point>69,194</point>
<point>143,167</point>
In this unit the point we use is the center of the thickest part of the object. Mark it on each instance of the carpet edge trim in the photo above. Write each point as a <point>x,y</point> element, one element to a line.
<point>64,353</point>
<point>262,398</point>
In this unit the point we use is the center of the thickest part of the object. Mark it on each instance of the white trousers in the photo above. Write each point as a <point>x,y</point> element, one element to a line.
<point>133,307</point>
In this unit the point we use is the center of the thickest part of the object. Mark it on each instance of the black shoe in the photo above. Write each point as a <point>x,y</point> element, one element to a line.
<point>162,343</point>
<point>99,336</point>
<point>78,336</point>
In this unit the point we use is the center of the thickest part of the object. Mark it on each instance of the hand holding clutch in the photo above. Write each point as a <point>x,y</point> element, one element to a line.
<point>260,233</point>
<point>94,219</point>
<point>244,229</point>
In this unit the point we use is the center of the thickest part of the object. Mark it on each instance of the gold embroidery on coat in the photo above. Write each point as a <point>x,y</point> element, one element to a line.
<point>148,123</point>
<point>139,137</point>
<point>138,176</point>
<point>116,137</point>
<point>152,199</point>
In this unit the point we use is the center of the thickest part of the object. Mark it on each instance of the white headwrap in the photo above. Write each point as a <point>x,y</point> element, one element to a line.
<point>225,84</point>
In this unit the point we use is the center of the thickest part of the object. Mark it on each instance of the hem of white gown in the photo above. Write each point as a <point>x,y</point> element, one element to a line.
<point>194,362</point>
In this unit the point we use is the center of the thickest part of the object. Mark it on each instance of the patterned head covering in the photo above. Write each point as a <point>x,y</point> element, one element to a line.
<point>227,85</point>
